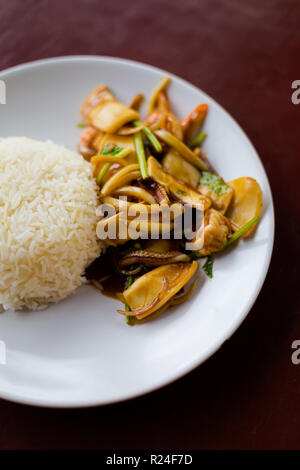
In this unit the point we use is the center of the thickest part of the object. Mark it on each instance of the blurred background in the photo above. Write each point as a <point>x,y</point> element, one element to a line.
<point>245,54</point>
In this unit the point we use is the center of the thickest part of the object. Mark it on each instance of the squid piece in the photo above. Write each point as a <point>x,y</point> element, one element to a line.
<point>104,112</point>
<point>100,94</point>
<point>121,178</point>
<point>136,192</point>
<point>122,227</point>
<point>143,211</point>
<point>112,230</point>
<point>213,233</point>
<point>246,203</point>
<point>154,289</point>
<point>174,164</point>
<point>130,130</point>
<point>176,188</point>
<point>109,116</point>
<point>153,258</point>
<point>161,195</point>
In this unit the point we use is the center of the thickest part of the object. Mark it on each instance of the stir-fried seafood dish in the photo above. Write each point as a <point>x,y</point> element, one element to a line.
<point>163,205</point>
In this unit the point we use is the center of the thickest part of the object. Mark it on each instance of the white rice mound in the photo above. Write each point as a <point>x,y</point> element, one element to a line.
<point>48,201</point>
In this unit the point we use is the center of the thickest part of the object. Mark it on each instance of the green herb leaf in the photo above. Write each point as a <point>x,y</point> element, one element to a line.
<point>81,124</point>
<point>179,191</point>
<point>214,182</point>
<point>208,266</point>
<point>108,151</point>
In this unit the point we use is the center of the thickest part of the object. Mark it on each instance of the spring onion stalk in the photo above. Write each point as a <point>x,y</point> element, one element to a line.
<point>197,140</point>
<point>124,152</point>
<point>150,136</point>
<point>129,282</point>
<point>81,124</point>
<point>241,231</point>
<point>102,173</point>
<point>140,152</point>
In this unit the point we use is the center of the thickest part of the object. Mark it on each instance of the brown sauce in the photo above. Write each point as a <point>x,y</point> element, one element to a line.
<point>103,270</point>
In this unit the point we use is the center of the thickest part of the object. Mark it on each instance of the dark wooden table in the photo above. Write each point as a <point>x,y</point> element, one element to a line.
<point>246,55</point>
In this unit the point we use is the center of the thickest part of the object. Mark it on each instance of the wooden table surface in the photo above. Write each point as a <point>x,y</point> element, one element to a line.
<point>246,55</point>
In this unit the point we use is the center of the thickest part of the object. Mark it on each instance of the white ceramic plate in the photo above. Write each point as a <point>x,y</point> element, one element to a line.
<point>80,352</point>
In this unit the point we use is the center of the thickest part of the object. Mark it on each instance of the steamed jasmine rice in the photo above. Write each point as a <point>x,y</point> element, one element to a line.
<point>48,202</point>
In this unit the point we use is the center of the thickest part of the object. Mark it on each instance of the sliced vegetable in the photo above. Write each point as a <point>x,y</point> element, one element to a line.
<point>136,192</point>
<point>246,203</point>
<point>121,178</point>
<point>154,289</point>
<point>109,156</point>
<point>163,103</point>
<point>176,188</point>
<point>128,283</point>
<point>102,173</point>
<point>154,96</point>
<point>150,136</point>
<point>198,140</point>
<point>177,166</point>
<point>140,152</point>
<point>137,101</point>
<point>239,233</point>
<point>181,148</point>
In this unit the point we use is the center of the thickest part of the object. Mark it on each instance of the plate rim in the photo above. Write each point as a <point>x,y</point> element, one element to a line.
<point>193,364</point>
